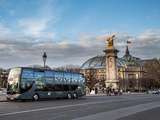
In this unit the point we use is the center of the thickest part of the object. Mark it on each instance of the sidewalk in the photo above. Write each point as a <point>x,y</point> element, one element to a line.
<point>96,95</point>
<point>125,93</point>
<point>3,98</point>
<point>134,93</point>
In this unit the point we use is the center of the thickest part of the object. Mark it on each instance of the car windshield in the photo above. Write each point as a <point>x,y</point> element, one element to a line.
<point>13,80</point>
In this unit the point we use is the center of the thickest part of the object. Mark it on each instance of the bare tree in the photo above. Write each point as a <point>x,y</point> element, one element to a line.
<point>91,79</point>
<point>3,77</point>
<point>151,79</point>
<point>69,68</point>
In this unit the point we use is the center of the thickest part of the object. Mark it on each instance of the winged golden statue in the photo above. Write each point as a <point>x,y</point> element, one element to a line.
<point>110,40</point>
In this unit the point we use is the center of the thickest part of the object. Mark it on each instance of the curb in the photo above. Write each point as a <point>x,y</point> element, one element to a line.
<point>3,98</point>
<point>113,95</point>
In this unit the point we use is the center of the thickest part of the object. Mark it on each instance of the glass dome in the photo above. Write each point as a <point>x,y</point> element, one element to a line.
<point>99,62</point>
<point>95,62</point>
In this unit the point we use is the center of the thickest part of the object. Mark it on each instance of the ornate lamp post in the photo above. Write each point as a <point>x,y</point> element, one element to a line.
<point>44,58</point>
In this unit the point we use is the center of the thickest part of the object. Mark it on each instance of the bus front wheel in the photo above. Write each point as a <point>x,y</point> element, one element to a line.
<point>35,97</point>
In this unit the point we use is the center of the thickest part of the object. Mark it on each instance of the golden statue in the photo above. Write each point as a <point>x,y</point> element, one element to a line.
<point>110,40</point>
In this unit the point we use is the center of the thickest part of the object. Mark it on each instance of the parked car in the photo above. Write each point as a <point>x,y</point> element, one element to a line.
<point>157,92</point>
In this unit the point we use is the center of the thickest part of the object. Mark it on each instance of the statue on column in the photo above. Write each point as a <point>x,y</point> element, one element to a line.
<point>111,64</point>
<point>110,40</point>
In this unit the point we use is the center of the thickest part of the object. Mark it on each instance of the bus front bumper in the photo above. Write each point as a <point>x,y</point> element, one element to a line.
<point>24,96</point>
<point>13,97</point>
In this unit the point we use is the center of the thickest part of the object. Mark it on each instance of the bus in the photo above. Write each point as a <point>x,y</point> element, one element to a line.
<point>37,83</point>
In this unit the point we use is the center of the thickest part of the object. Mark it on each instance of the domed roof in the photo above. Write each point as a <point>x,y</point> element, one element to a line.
<point>130,60</point>
<point>95,62</point>
<point>99,61</point>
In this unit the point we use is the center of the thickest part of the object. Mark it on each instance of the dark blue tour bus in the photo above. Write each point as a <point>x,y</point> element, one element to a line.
<point>37,83</point>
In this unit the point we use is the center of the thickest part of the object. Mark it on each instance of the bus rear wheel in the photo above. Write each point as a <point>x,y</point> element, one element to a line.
<point>69,96</point>
<point>75,95</point>
<point>35,97</point>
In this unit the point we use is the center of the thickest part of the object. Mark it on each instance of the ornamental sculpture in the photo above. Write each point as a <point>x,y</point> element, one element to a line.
<point>110,40</point>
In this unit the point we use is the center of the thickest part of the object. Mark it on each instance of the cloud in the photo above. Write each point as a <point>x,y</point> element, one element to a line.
<point>33,27</point>
<point>22,50</point>
<point>39,25</point>
<point>149,37</point>
<point>146,44</point>
<point>4,30</point>
<point>89,40</point>
<point>35,33</point>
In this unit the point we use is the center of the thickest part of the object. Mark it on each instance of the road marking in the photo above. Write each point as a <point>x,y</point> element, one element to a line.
<point>120,113</point>
<point>58,107</point>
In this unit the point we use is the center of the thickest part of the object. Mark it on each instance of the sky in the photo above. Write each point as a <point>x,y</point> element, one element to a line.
<point>72,31</point>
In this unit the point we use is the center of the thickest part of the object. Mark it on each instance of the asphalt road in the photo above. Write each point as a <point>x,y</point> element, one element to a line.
<point>125,107</point>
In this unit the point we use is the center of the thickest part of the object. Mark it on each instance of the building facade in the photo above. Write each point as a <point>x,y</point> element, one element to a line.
<point>129,72</point>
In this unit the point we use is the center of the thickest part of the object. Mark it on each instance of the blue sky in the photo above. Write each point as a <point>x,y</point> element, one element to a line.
<point>85,15</point>
<point>56,26</point>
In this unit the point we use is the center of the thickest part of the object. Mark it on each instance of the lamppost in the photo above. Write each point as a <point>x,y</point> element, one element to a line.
<point>44,58</point>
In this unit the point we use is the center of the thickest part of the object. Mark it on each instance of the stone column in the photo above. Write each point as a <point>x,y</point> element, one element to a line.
<point>111,65</point>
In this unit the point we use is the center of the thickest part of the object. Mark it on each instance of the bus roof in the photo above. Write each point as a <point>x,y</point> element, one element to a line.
<point>46,69</point>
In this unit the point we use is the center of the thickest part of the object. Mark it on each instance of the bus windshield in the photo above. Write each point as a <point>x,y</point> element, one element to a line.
<point>13,80</point>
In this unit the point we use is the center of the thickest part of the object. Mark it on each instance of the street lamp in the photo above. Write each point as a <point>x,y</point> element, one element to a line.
<point>44,58</point>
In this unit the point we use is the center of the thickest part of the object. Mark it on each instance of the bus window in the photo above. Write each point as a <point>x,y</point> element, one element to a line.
<point>27,73</point>
<point>49,80</point>
<point>39,80</point>
<point>67,78</point>
<point>49,74</point>
<point>58,77</point>
<point>49,83</point>
<point>27,80</point>
<point>75,78</point>
<point>81,79</point>
<point>38,75</point>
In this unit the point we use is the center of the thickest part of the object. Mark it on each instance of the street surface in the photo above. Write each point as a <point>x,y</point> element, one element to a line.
<point>125,107</point>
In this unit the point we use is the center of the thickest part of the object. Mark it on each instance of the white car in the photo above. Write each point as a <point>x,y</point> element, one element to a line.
<point>3,91</point>
<point>155,92</point>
